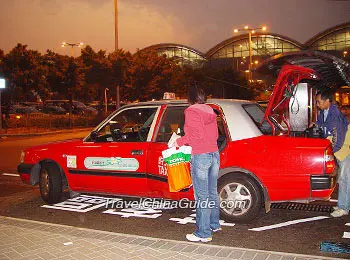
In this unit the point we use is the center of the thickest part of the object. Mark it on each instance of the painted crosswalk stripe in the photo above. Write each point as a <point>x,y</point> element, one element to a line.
<point>11,174</point>
<point>288,223</point>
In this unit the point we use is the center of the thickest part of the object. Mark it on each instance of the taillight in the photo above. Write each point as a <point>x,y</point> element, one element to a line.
<point>329,160</point>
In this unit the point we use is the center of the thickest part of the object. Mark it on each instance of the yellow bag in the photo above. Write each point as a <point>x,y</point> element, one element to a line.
<point>179,174</point>
<point>345,149</point>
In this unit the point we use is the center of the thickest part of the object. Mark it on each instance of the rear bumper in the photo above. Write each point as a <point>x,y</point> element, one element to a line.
<point>24,170</point>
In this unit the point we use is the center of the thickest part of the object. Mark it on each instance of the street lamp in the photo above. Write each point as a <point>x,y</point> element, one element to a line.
<point>106,103</point>
<point>64,44</point>
<point>250,32</point>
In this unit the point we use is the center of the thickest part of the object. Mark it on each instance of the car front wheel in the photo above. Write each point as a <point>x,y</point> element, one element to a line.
<point>50,183</point>
<point>240,198</point>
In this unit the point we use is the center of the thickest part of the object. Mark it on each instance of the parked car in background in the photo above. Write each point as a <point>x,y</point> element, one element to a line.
<point>19,109</point>
<point>56,110</point>
<point>78,107</point>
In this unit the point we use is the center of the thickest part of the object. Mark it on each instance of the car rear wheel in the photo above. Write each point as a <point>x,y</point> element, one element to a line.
<point>241,199</point>
<point>50,183</point>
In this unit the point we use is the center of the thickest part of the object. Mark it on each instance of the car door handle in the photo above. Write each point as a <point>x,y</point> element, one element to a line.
<point>137,152</point>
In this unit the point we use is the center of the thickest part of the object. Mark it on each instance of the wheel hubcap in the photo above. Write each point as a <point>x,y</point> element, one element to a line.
<point>236,199</point>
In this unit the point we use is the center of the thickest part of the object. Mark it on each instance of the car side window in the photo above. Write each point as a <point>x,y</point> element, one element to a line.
<point>172,121</point>
<point>130,125</point>
<point>222,140</point>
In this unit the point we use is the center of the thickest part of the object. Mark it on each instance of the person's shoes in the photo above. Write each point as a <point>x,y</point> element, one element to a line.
<point>217,229</point>
<point>339,213</point>
<point>335,208</point>
<point>194,238</point>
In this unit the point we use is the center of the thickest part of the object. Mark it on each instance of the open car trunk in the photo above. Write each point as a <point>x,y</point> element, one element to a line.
<point>291,107</point>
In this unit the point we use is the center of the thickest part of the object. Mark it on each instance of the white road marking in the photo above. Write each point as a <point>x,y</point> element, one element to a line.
<point>11,174</point>
<point>346,235</point>
<point>288,223</point>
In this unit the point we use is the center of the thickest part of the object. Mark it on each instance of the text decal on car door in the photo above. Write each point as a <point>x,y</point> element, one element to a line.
<point>111,163</point>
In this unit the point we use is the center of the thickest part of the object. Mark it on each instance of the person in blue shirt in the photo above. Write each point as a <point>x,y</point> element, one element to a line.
<point>334,125</point>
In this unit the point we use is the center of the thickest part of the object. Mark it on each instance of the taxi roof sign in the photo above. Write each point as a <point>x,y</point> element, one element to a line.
<point>169,95</point>
<point>2,83</point>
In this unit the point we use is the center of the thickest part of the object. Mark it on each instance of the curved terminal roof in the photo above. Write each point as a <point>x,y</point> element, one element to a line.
<point>245,37</point>
<point>161,46</point>
<point>184,55</point>
<point>233,51</point>
<point>327,32</point>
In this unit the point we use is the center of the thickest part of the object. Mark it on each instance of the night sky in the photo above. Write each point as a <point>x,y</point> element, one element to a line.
<point>201,24</point>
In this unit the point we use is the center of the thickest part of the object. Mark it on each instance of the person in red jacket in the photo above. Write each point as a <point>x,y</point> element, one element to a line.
<point>201,133</point>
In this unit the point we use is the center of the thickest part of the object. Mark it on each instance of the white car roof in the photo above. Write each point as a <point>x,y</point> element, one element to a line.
<point>240,125</point>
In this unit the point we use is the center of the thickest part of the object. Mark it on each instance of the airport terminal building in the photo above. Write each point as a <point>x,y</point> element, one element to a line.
<point>234,52</point>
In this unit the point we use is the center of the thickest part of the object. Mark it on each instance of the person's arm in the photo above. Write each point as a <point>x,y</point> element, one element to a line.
<point>193,128</point>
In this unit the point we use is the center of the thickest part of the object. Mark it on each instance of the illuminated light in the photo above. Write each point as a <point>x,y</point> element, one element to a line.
<point>253,31</point>
<point>256,62</point>
<point>18,117</point>
<point>240,46</point>
<point>246,71</point>
<point>264,28</point>
<point>244,57</point>
<point>235,30</point>
<point>329,160</point>
<point>345,52</point>
<point>337,94</point>
<point>246,27</point>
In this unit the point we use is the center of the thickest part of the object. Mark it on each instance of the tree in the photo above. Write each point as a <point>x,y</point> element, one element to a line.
<point>150,75</point>
<point>118,63</point>
<point>96,73</point>
<point>25,73</point>
<point>65,74</point>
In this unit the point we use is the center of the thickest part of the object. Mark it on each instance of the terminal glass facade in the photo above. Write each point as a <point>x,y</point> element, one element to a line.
<point>336,41</point>
<point>236,53</point>
<point>184,56</point>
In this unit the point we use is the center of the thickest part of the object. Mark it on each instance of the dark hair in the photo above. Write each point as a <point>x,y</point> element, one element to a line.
<point>196,95</point>
<point>326,94</point>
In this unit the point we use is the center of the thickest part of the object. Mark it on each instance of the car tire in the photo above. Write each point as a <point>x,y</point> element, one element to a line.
<point>240,198</point>
<point>50,183</point>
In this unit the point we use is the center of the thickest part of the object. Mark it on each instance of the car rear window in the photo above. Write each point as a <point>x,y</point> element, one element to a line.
<point>256,113</point>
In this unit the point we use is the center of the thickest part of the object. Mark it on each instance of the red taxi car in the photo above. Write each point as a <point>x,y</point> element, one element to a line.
<point>260,163</point>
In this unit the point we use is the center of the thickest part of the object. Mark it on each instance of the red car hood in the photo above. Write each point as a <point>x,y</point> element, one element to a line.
<point>56,145</point>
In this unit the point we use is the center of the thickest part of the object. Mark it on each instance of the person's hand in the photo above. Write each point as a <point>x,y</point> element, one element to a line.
<point>312,124</point>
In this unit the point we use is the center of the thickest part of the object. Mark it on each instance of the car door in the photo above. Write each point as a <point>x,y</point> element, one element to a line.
<point>113,157</point>
<point>172,119</point>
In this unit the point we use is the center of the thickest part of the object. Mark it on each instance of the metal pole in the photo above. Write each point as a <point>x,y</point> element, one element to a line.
<point>250,56</point>
<point>116,24</point>
<point>116,45</point>
<point>106,102</point>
